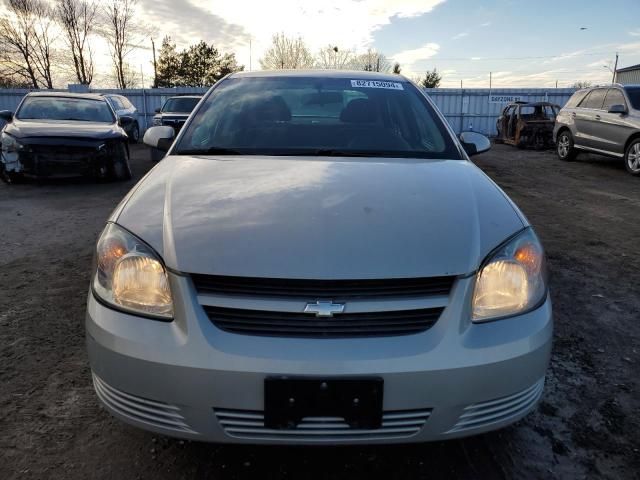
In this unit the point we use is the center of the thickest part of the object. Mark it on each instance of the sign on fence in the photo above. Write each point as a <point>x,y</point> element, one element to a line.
<point>507,98</point>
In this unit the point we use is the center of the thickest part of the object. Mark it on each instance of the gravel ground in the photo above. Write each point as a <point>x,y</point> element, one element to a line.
<point>587,426</point>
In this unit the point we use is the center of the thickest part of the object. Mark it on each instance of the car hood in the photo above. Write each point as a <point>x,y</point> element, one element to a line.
<point>321,218</point>
<point>54,128</point>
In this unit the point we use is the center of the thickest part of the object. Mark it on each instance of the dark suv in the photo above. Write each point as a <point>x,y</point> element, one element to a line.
<point>602,120</point>
<point>174,113</point>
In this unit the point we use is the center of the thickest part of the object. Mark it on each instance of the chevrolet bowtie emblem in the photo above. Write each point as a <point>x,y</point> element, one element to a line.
<point>324,308</point>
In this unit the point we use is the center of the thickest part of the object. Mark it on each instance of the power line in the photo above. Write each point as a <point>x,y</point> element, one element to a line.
<point>477,59</point>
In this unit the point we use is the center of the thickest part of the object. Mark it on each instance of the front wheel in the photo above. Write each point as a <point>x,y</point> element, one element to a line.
<point>135,134</point>
<point>565,149</point>
<point>10,177</point>
<point>120,170</point>
<point>632,157</point>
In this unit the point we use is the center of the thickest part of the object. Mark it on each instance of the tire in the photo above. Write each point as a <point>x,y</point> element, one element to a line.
<point>119,169</point>
<point>134,137</point>
<point>632,157</point>
<point>10,178</point>
<point>564,146</point>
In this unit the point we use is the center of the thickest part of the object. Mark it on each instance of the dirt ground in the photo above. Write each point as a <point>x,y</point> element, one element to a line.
<point>587,426</point>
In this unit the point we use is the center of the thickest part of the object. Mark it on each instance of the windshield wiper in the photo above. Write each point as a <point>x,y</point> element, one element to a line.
<point>210,151</point>
<point>330,152</point>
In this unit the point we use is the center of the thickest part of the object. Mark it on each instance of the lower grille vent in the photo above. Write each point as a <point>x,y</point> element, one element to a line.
<point>151,412</point>
<point>250,425</point>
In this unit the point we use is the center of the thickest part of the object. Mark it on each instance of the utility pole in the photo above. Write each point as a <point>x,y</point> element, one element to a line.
<point>615,68</point>
<point>249,53</point>
<point>461,83</point>
<point>155,65</point>
<point>142,76</point>
<point>556,83</point>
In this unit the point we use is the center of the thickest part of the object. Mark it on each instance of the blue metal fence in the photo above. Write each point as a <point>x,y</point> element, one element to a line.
<point>465,109</point>
<point>471,108</point>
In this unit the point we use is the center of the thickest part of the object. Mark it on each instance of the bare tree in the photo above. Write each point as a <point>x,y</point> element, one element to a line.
<point>78,19</point>
<point>333,58</point>
<point>120,32</point>
<point>27,42</point>
<point>371,61</point>
<point>44,38</point>
<point>287,53</point>
<point>581,84</point>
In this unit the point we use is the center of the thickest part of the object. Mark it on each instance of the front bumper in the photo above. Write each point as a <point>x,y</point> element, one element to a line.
<point>191,380</point>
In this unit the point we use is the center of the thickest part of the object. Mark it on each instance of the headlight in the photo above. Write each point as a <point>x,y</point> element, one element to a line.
<point>513,280</point>
<point>157,121</point>
<point>130,276</point>
<point>10,144</point>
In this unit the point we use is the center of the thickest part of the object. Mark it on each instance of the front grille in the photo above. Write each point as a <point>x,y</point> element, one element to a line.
<point>337,290</point>
<point>249,424</point>
<point>292,324</point>
<point>46,160</point>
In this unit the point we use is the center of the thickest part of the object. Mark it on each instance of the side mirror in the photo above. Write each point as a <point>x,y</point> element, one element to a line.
<point>6,115</point>
<point>159,137</point>
<point>617,109</point>
<point>125,121</point>
<point>474,143</point>
<point>157,110</point>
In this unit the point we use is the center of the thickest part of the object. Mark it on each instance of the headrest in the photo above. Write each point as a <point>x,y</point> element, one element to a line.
<point>360,110</point>
<point>273,109</point>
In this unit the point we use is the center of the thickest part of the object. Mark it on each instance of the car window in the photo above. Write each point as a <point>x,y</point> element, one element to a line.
<point>64,108</point>
<point>595,99</point>
<point>576,98</point>
<point>126,104</point>
<point>300,116</point>
<point>614,97</point>
<point>634,96</point>
<point>180,104</point>
<point>117,104</point>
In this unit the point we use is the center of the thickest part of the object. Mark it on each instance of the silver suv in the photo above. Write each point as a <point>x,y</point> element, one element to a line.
<point>603,120</point>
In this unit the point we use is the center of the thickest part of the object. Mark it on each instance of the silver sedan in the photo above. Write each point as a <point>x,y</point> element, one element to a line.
<point>316,261</point>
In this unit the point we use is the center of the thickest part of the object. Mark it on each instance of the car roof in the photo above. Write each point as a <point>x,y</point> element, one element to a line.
<point>351,74</point>
<point>185,96</point>
<point>85,96</point>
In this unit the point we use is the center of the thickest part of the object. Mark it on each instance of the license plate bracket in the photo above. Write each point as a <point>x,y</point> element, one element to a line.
<point>288,400</point>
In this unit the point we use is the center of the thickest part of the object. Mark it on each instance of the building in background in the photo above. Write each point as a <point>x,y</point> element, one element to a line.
<point>628,75</point>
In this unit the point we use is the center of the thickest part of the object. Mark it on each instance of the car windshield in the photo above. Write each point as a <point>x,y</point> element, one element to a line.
<point>634,96</point>
<point>65,108</point>
<point>317,116</point>
<point>180,105</point>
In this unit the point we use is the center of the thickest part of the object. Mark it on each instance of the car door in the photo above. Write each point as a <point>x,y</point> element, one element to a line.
<point>614,128</point>
<point>587,117</point>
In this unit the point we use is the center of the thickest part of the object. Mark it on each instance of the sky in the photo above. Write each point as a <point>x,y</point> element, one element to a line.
<point>523,43</point>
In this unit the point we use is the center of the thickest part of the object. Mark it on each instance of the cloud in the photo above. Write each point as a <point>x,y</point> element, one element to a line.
<point>409,57</point>
<point>189,23</point>
<point>460,35</point>
<point>349,24</point>
<point>485,24</point>
<point>635,33</point>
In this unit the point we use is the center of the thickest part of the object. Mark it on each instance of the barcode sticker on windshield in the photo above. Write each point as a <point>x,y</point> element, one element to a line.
<point>376,84</point>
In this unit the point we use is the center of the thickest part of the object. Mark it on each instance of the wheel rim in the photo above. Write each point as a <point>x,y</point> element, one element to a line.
<point>633,158</point>
<point>136,133</point>
<point>563,146</point>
